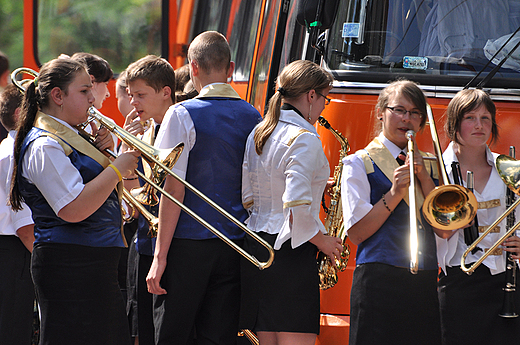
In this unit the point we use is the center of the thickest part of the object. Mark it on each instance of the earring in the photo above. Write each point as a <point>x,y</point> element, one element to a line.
<point>61,106</point>
<point>310,109</point>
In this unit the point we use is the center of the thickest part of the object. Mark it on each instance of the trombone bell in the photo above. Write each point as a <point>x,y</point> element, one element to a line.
<point>449,207</point>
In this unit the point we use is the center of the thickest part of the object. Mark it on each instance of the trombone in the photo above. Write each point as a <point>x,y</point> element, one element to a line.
<point>152,156</point>
<point>414,239</point>
<point>448,206</point>
<point>509,171</point>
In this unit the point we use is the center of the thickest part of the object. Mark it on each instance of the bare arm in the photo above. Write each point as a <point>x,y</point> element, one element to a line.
<point>26,235</point>
<point>96,192</point>
<point>168,217</point>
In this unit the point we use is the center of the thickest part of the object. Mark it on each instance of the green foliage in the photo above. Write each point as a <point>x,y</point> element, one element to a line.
<point>11,31</point>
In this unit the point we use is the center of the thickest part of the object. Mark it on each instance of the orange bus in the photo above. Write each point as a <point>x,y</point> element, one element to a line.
<point>443,45</point>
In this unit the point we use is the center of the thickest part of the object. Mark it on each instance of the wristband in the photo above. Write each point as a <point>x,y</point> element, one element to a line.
<point>129,178</point>
<point>116,170</point>
<point>384,202</point>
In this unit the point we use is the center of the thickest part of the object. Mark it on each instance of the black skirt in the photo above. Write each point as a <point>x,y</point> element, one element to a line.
<point>78,293</point>
<point>284,297</point>
<point>470,305</point>
<point>390,305</point>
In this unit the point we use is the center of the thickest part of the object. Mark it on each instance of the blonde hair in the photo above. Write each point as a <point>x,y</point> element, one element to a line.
<point>296,79</point>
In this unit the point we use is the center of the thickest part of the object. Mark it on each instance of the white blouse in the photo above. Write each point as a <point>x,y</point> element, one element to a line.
<point>10,221</point>
<point>355,188</point>
<point>286,180</point>
<point>46,165</point>
<point>450,251</point>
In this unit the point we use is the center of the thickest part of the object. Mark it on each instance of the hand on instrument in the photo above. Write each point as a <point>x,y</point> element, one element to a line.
<point>330,246</point>
<point>153,279</point>
<point>133,125</point>
<point>401,180</point>
<point>103,138</point>
<point>512,244</point>
<point>328,187</point>
<point>126,163</point>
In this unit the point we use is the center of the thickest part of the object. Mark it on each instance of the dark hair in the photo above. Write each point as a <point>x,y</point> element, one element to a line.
<point>464,102</point>
<point>211,51</point>
<point>4,63</point>
<point>296,79</point>
<point>154,71</point>
<point>96,66</point>
<point>55,73</point>
<point>188,93</point>
<point>10,99</point>
<point>182,77</point>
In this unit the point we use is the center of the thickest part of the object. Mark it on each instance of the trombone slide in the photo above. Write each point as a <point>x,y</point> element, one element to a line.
<point>414,241</point>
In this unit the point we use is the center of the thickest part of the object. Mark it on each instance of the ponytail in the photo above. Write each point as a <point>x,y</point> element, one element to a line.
<point>267,126</point>
<point>28,114</point>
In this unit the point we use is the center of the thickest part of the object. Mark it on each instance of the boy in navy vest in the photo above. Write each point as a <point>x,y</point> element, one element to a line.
<point>150,83</point>
<point>195,275</point>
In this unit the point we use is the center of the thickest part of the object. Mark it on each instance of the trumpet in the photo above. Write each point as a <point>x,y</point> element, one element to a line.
<point>161,162</point>
<point>414,238</point>
<point>448,206</point>
<point>509,171</point>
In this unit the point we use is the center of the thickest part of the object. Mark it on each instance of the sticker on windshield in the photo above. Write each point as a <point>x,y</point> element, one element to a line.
<point>350,30</point>
<point>415,62</point>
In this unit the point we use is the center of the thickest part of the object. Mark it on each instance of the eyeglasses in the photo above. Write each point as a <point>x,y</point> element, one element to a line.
<point>327,99</point>
<point>414,114</point>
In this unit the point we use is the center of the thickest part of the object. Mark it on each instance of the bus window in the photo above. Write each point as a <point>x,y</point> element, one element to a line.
<point>212,15</point>
<point>242,38</point>
<point>119,31</point>
<point>264,54</point>
<point>444,42</point>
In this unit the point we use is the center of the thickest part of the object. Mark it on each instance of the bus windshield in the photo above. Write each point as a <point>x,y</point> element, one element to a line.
<point>443,42</point>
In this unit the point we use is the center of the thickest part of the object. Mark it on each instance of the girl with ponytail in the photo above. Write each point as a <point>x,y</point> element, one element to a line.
<point>70,187</point>
<point>284,175</point>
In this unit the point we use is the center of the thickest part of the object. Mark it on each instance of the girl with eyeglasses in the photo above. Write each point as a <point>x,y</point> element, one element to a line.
<point>389,304</point>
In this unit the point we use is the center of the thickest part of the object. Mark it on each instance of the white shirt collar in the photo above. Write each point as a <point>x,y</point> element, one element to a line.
<point>393,148</point>
<point>292,117</point>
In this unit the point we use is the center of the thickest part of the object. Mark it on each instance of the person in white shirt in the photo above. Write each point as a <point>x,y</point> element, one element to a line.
<point>470,304</point>
<point>284,175</point>
<point>388,304</point>
<point>16,239</point>
<point>73,191</point>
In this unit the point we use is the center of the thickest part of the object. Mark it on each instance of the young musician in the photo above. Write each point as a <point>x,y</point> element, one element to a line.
<point>284,174</point>
<point>195,275</point>
<point>470,304</point>
<point>16,239</point>
<point>150,82</point>
<point>389,304</point>
<point>69,185</point>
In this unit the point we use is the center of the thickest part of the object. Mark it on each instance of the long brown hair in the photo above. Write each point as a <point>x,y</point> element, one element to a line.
<point>296,79</point>
<point>55,73</point>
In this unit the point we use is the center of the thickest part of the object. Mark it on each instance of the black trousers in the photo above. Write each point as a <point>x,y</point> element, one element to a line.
<point>470,306</point>
<point>79,296</point>
<point>16,292</point>
<point>139,306</point>
<point>389,305</point>
<point>202,280</point>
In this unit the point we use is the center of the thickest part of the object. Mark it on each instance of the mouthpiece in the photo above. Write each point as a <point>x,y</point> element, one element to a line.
<point>410,134</point>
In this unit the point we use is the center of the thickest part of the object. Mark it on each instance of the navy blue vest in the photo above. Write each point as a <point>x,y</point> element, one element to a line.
<point>391,243</point>
<point>215,164</point>
<point>101,229</point>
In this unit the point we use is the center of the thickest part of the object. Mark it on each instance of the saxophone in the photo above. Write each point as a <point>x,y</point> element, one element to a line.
<point>334,220</point>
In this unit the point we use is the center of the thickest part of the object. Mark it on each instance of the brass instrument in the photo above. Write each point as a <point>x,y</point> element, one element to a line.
<point>174,154</point>
<point>414,237</point>
<point>509,170</point>
<point>334,220</point>
<point>253,339</point>
<point>508,304</point>
<point>448,206</point>
<point>161,161</point>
